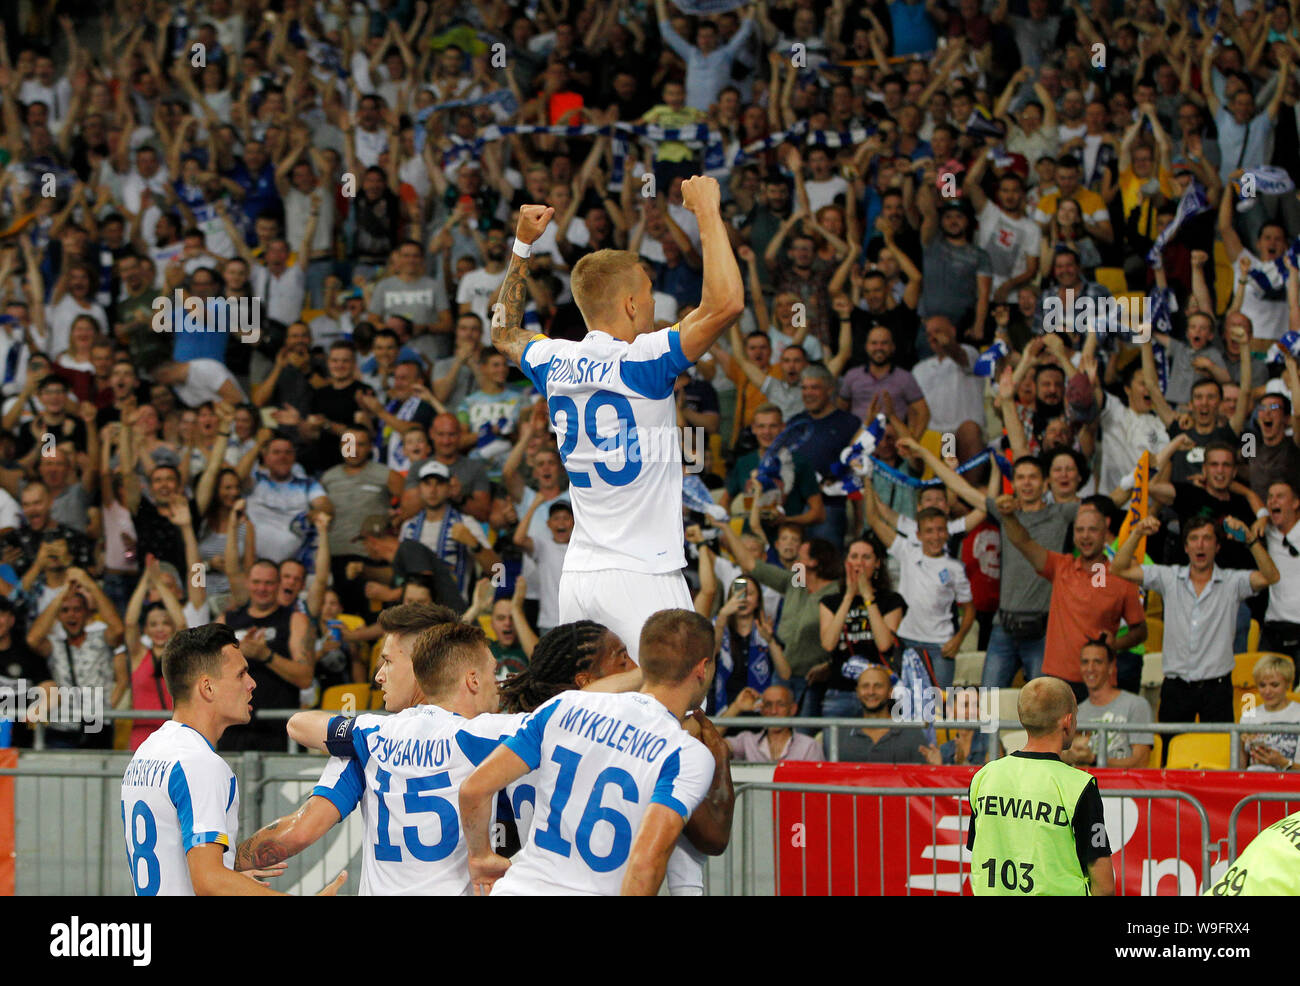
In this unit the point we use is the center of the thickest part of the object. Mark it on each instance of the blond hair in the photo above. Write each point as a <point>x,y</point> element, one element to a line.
<point>1043,703</point>
<point>1275,664</point>
<point>598,280</point>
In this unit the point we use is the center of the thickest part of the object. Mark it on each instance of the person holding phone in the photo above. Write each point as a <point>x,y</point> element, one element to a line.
<point>749,655</point>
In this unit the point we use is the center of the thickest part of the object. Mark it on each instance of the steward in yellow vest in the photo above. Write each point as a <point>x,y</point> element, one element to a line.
<point>1037,826</point>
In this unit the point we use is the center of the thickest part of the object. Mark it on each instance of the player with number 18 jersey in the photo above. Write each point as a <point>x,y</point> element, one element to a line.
<point>177,793</point>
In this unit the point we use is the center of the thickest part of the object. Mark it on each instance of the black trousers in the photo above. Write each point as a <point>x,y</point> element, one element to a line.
<point>1183,701</point>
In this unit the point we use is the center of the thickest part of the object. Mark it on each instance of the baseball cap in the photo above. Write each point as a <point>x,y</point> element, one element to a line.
<point>375,525</point>
<point>434,469</point>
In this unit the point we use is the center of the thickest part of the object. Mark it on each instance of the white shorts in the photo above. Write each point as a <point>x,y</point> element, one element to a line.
<point>620,600</point>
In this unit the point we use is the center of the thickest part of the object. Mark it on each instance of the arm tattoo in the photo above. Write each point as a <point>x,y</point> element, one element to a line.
<point>508,333</point>
<point>259,850</point>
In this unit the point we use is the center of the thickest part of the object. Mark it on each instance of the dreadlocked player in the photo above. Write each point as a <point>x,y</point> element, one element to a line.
<point>573,655</point>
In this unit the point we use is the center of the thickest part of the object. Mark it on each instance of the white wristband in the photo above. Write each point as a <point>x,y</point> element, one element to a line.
<point>1262,513</point>
<point>522,249</point>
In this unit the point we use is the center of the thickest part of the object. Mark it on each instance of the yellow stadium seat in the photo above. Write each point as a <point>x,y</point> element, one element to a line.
<point>1200,751</point>
<point>1112,279</point>
<point>376,699</point>
<point>1155,604</point>
<point>1243,672</point>
<point>1252,638</point>
<point>346,698</point>
<point>933,441</point>
<point>1155,634</point>
<point>1154,760</point>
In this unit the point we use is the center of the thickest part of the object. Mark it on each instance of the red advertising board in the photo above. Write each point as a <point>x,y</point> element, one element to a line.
<point>893,845</point>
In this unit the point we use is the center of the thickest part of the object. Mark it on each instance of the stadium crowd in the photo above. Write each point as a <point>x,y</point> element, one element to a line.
<point>248,253</point>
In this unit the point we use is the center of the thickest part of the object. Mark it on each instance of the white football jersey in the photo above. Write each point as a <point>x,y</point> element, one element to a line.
<point>612,406</point>
<point>177,793</point>
<point>598,762</point>
<point>406,771</point>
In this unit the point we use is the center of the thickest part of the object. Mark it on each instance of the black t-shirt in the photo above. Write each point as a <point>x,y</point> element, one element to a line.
<point>31,434</point>
<point>1185,465</point>
<point>857,647</point>
<point>337,404</point>
<point>903,324</point>
<point>272,691</point>
<point>701,397</point>
<point>1191,501</point>
<point>158,536</point>
<point>25,669</point>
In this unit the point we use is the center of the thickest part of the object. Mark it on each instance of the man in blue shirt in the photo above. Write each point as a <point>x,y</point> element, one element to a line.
<point>833,430</point>
<point>708,67</point>
<point>255,175</point>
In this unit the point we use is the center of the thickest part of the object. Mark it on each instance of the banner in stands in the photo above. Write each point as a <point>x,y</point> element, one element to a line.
<point>8,760</point>
<point>908,846</point>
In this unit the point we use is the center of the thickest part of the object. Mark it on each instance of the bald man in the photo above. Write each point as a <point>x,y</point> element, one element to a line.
<point>772,744</point>
<point>1037,826</point>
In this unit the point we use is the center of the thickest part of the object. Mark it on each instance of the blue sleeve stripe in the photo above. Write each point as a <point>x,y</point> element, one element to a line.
<point>527,743</point>
<point>664,787</point>
<point>345,793</point>
<point>178,790</point>
<point>668,801</point>
<point>654,378</point>
<point>536,374</point>
<point>476,748</point>
<point>361,744</point>
<point>675,350</point>
<point>233,787</point>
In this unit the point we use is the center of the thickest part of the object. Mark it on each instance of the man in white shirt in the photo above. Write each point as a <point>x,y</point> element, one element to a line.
<point>281,287</point>
<point>824,186</point>
<point>953,393</point>
<point>1009,236</point>
<point>1281,629</point>
<point>1127,428</point>
<point>1264,281</point>
<point>369,134</point>
<point>76,297</point>
<point>149,173</point>
<point>479,286</point>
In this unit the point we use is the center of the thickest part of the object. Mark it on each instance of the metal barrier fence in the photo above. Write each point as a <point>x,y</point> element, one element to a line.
<point>1257,800</point>
<point>69,838</point>
<point>742,855</point>
<point>831,728</point>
